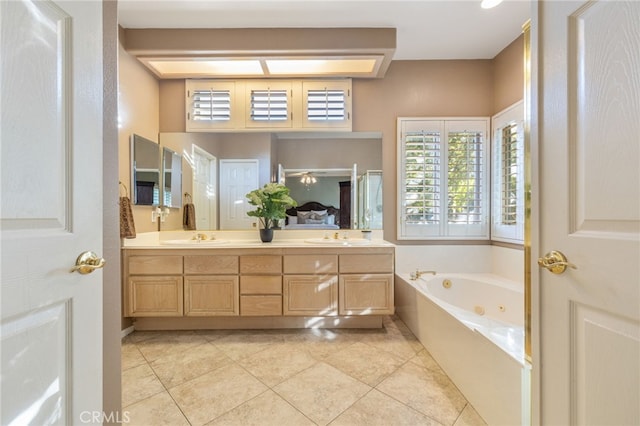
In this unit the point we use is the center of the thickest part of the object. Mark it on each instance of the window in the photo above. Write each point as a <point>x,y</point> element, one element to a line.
<point>443,185</point>
<point>508,175</point>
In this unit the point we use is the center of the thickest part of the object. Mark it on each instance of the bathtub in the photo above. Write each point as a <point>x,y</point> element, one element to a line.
<point>473,326</point>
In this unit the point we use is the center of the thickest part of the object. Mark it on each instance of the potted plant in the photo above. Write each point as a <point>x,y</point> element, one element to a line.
<point>272,201</point>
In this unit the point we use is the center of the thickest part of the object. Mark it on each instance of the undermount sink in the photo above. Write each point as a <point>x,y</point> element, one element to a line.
<point>194,242</point>
<point>339,241</point>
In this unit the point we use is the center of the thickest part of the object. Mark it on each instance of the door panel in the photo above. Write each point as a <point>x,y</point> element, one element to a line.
<point>237,178</point>
<point>589,120</point>
<point>51,119</point>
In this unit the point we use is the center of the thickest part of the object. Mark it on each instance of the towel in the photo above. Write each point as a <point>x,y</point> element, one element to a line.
<point>189,217</point>
<point>127,227</point>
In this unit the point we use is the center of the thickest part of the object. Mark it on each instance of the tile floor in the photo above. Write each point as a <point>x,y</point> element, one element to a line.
<point>288,377</point>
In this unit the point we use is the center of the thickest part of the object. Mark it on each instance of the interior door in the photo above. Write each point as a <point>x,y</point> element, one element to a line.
<point>51,193</point>
<point>237,178</point>
<point>589,147</point>
<point>205,188</point>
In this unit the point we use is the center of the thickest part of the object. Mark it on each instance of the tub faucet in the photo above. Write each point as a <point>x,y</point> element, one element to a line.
<point>418,273</point>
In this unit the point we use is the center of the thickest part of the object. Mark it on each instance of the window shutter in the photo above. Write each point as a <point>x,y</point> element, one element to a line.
<point>465,186</point>
<point>269,105</point>
<point>509,175</point>
<point>211,105</point>
<point>326,105</point>
<point>422,178</point>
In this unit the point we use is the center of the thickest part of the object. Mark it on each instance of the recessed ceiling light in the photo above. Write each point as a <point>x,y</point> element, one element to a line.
<point>488,4</point>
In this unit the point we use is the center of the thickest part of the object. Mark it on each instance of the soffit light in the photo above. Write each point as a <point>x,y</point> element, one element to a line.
<point>184,67</point>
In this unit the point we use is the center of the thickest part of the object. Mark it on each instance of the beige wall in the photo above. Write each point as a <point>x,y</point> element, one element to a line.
<point>507,82</point>
<point>138,108</point>
<point>410,88</point>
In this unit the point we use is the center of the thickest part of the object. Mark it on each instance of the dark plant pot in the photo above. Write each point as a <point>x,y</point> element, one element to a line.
<point>266,235</point>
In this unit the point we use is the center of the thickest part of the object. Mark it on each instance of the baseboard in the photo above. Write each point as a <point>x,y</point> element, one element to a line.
<point>124,333</point>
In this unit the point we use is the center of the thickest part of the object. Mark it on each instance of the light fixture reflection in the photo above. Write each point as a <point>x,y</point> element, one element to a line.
<point>308,179</point>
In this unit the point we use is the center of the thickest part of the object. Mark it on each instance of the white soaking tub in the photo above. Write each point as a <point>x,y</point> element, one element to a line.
<point>473,326</point>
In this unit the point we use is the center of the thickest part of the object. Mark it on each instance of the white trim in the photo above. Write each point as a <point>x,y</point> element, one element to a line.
<point>127,331</point>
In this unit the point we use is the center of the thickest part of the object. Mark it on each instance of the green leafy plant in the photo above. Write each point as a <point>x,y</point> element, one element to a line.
<point>272,202</point>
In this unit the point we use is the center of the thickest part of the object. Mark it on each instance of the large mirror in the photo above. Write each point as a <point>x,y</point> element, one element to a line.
<point>145,171</point>
<point>171,178</point>
<point>218,188</point>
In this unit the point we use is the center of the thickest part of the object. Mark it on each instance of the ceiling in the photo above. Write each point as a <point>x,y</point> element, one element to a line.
<point>426,29</point>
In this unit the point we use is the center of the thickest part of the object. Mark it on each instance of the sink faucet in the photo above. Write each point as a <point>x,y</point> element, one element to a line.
<point>418,273</point>
<point>199,237</point>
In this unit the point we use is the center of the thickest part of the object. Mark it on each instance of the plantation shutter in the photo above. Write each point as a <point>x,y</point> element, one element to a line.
<point>211,105</point>
<point>326,105</point>
<point>269,105</point>
<point>443,187</point>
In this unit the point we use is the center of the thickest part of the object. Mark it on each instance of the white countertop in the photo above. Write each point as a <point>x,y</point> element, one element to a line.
<point>245,239</point>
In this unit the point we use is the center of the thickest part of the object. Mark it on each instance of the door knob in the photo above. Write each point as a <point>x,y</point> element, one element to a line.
<point>88,262</point>
<point>555,262</point>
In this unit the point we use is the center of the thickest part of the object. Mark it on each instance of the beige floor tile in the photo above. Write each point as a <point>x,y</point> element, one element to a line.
<point>378,409</point>
<point>424,359</point>
<point>322,345</point>
<point>277,363</point>
<point>365,363</point>
<point>267,409</point>
<point>321,392</point>
<point>139,383</point>
<point>240,345</point>
<point>427,391</point>
<point>169,344</point>
<point>140,336</point>
<point>158,410</point>
<point>131,356</point>
<point>175,369</point>
<point>470,417</point>
<point>400,345</point>
<point>213,394</point>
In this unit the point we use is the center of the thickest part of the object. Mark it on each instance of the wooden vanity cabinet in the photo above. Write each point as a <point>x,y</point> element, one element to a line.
<point>213,288</point>
<point>153,286</point>
<point>310,285</point>
<point>260,285</point>
<point>366,284</point>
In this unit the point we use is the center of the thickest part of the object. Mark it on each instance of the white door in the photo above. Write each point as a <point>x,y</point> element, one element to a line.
<point>354,197</point>
<point>51,194</point>
<point>589,150</point>
<point>237,178</point>
<point>204,188</point>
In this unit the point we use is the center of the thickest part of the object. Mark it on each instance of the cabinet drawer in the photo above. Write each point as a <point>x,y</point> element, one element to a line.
<point>261,284</point>
<point>212,264</point>
<point>261,264</point>
<point>311,264</point>
<point>366,263</point>
<point>260,305</point>
<point>155,265</point>
<point>154,296</point>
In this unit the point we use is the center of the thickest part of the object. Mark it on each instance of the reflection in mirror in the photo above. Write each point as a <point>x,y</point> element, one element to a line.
<point>370,200</point>
<point>171,178</point>
<point>145,171</point>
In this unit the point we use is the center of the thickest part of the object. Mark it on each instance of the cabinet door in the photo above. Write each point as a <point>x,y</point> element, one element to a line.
<point>150,296</point>
<point>310,295</point>
<point>366,294</point>
<point>214,295</point>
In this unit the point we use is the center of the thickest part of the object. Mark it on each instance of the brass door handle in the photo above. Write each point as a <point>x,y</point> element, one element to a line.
<point>555,262</point>
<point>88,262</point>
